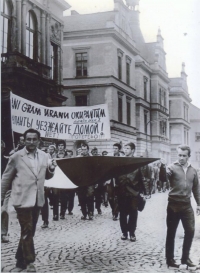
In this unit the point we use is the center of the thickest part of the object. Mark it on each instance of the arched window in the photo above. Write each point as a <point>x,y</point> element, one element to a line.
<point>30,35</point>
<point>5,26</point>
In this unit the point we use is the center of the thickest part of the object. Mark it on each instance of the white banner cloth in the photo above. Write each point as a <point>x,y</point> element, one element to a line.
<point>69,123</point>
<point>59,181</point>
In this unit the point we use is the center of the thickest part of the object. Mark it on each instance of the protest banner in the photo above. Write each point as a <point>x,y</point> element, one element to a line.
<point>69,123</point>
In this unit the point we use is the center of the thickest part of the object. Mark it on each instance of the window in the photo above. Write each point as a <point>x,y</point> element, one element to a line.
<point>162,97</point>
<point>186,135</point>
<point>128,66</point>
<point>81,100</point>
<point>128,111</point>
<point>163,128</point>
<point>185,109</point>
<point>30,36</point>
<point>198,156</point>
<point>165,99</point>
<point>197,137</point>
<point>120,55</point>
<point>145,121</point>
<point>5,26</point>
<point>54,61</point>
<point>128,73</point>
<point>120,109</point>
<point>145,88</point>
<point>119,67</point>
<point>81,64</point>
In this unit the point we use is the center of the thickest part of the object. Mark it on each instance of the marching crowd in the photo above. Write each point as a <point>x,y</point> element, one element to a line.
<point>125,194</point>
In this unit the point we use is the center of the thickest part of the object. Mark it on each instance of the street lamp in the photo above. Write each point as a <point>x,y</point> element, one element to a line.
<point>151,121</point>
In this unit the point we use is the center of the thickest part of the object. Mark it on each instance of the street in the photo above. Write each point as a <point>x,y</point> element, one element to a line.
<point>73,245</point>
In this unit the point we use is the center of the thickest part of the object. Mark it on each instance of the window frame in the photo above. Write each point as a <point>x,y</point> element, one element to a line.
<point>82,62</point>
<point>54,61</point>
<point>128,111</point>
<point>145,81</point>
<point>31,18</point>
<point>120,107</point>
<point>145,121</point>
<point>128,70</point>
<point>7,17</point>
<point>119,63</point>
<point>77,93</point>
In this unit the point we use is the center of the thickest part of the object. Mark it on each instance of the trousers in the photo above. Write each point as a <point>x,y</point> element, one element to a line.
<point>128,214</point>
<point>27,218</point>
<point>174,215</point>
<point>4,214</point>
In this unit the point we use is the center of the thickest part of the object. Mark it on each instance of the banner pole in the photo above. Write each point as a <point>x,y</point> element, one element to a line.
<point>11,123</point>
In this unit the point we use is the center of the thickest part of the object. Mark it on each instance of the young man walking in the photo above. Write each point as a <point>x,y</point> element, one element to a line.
<point>183,181</point>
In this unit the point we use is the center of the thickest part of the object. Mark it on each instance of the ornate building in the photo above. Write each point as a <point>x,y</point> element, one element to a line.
<point>106,60</point>
<point>31,54</point>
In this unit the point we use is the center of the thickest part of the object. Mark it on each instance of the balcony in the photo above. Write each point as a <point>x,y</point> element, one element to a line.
<point>18,60</point>
<point>159,107</point>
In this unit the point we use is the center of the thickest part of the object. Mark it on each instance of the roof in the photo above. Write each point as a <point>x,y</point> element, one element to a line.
<point>79,22</point>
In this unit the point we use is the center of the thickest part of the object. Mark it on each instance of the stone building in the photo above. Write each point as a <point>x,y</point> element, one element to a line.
<point>194,139</point>
<point>106,60</point>
<point>31,54</point>
<point>179,108</point>
<point>184,119</point>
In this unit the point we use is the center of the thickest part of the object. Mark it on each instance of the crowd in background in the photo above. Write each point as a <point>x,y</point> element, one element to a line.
<point>61,201</point>
<point>91,197</point>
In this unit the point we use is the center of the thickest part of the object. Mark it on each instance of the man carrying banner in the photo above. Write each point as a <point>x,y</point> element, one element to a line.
<point>129,187</point>
<point>26,171</point>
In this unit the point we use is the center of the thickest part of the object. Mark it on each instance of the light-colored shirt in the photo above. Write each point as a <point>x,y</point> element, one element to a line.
<point>34,160</point>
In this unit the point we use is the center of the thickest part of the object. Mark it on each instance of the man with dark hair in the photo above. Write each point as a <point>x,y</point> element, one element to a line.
<point>183,181</point>
<point>116,149</point>
<point>111,186</point>
<point>26,171</point>
<point>56,193</point>
<point>20,145</point>
<point>129,187</point>
<point>86,193</point>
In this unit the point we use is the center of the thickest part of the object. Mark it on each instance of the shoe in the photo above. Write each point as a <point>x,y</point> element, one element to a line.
<point>99,211</point>
<point>90,217</point>
<point>115,218</point>
<point>83,218</point>
<point>172,263</point>
<point>55,218</point>
<point>132,238</point>
<point>124,236</point>
<point>45,225</point>
<point>21,264</point>
<point>30,268</point>
<point>4,238</point>
<point>188,262</point>
<point>62,217</point>
<point>70,213</point>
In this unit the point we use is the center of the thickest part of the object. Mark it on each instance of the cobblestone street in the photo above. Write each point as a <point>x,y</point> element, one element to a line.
<point>72,245</point>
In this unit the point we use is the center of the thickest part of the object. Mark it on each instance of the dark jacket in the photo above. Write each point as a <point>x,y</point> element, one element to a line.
<point>130,184</point>
<point>182,185</point>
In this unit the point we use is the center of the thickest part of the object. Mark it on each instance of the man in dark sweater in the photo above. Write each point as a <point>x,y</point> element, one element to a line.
<point>129,187</point>
<point>183,180</point>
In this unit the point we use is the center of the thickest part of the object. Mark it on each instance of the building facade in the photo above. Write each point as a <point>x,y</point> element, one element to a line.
<point>106,60</point>
<point>31,54</point>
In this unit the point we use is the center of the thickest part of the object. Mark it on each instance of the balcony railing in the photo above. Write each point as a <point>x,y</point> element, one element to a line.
<point>157,106</point>
<point>16,59</point>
